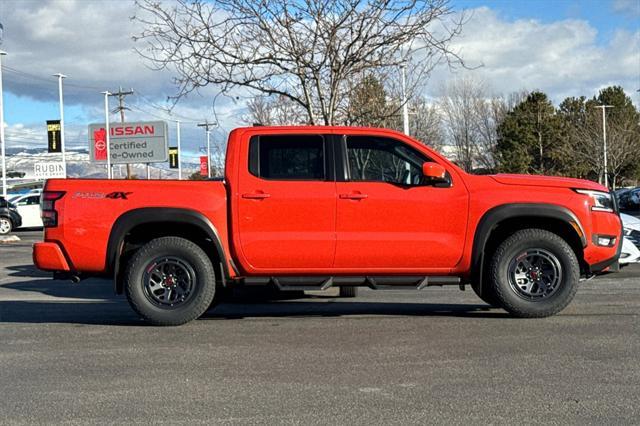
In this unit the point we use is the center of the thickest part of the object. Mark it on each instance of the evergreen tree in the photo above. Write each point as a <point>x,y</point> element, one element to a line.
<point>529,137</point>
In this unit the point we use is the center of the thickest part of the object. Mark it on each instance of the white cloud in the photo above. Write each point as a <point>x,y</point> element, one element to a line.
<point>562,58</point>
<point>90,41</point>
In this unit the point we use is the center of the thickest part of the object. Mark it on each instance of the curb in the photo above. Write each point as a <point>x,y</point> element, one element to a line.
<point>9,239</point>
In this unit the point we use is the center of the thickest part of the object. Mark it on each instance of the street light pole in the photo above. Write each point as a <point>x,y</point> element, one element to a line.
<point>108,136</point>
<point>64,158</point>
<point>2,139</point>
<point>179,150</point>
<point>604,141</point>
<point>405,107</point>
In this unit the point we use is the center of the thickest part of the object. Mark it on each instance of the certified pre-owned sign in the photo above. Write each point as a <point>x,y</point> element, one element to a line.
<point>141,142</point>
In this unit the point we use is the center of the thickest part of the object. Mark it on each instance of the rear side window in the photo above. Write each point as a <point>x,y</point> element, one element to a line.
<point>287,157</point>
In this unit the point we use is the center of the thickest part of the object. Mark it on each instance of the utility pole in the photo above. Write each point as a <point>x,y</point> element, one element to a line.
<point>107,135</point>
<point>604,141</point>
<point>64,158</point>
<point>206,126</point>
<point>2,139</point>
<point>405,107</point>
<point>120,108</point>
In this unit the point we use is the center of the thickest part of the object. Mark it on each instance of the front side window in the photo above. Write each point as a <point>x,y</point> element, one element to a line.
<point>383,160</point>
<point>287,157</point>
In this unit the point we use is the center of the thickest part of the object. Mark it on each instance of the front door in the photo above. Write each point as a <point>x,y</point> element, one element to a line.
<point>390,219</point>
<point>287,204</point>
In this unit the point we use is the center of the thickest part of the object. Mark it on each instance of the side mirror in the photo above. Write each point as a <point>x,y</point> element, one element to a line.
<point>434,171</point>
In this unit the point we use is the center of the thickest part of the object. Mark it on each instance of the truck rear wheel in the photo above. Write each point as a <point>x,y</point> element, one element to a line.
<point>534,273</point>
<point>170,281</point>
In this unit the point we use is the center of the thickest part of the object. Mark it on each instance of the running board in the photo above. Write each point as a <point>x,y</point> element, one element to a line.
<point>291,283</point>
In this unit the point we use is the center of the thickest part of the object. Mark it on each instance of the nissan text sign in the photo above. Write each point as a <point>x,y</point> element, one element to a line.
<point>141,142</point>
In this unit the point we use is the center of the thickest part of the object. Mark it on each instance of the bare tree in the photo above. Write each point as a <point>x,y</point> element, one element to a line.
<point>307,51</point>
<point>470,119</point>
<point>458,105</point>
<point>489,113</point>
<point>582,148</point>
<point>259,111</point>
<point>425,122</point>
<point>274,111</point>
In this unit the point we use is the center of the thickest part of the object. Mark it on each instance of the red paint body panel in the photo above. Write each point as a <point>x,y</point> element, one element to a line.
<point>271,227</point>
<point>86,217</point>
<point>49,257</point>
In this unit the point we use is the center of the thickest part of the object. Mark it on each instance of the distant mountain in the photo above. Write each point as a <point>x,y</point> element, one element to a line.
<point>78,165</point>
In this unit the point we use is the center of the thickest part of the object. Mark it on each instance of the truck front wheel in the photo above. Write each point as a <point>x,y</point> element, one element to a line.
<point>170,281</point>
<point>534,273</point>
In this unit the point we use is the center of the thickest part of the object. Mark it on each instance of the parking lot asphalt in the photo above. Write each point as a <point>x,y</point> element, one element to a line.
<point>76,353</point>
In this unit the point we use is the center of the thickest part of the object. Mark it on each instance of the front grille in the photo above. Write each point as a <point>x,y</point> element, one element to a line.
<point>634,237</point>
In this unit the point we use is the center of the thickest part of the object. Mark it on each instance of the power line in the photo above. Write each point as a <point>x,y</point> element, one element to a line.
<point>25,74</point>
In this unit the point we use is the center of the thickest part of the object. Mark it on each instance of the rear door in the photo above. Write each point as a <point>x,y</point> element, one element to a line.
<point>286,203</point>
<point>390,219</point>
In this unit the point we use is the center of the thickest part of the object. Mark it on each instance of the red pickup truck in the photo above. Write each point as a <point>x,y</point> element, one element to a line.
<point>314,207</point>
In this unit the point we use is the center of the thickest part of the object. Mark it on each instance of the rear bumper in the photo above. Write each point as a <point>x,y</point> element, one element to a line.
<point>49,257</point>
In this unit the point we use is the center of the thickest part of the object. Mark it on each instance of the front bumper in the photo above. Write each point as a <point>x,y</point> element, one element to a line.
<point>603,266</point>
<point>49,257</point>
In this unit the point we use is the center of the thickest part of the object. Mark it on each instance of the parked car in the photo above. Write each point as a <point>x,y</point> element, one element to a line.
<point>304,208</point>
<point>9,217</point>
<point>629,199</point>
<point>631,242</point>
<point>28,206</point>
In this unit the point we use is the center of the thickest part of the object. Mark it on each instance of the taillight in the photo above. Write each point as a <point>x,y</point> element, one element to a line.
<point>49,213</point>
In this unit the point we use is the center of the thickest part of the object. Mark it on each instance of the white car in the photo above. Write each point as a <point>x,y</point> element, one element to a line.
<point>28,205</point>
<point>631,241</point>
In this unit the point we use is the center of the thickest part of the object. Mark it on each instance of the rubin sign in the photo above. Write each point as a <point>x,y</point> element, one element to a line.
<point>141,142</point>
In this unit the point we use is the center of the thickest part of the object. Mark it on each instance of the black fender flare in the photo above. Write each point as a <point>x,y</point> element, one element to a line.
<point>146,215</point>
<point>502,212</point>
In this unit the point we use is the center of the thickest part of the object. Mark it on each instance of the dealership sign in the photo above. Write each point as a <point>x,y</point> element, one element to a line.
<point>49,170</point>
<point>204,165</point>
<point>54,136</point>
<point>140,142</point>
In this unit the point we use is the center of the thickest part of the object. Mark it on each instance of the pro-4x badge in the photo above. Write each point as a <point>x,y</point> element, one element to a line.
<point>118,195</point>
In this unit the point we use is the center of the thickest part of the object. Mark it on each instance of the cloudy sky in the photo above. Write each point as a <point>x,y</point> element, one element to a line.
<point>563,47</point>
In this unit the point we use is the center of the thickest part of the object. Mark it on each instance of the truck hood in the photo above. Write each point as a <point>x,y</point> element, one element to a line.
<point>549,181</point>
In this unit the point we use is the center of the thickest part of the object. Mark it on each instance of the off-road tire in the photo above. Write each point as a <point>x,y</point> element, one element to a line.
<point>512,249</point>
<point>348,291</point>
<point>7,225</point>
<point>203,286</point>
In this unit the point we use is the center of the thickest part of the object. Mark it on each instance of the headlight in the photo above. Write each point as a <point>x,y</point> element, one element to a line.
<point>602,201</point>
<point>627,231</point>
